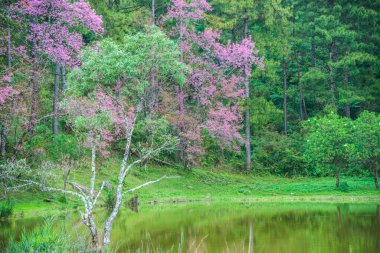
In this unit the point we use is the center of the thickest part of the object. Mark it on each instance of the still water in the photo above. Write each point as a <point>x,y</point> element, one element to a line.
<point>233,227</point>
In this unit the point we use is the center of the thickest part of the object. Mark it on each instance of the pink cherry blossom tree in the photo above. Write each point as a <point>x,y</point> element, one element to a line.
<point>218,80</point>
<point>53,31</point>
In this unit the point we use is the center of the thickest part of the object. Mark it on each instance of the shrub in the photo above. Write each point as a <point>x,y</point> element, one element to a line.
<point>110,199</point>
<point>42,239</point>
<point>6,208</point>
<point>47,239</point>
<point>62,199</point>
<point>344,187</point>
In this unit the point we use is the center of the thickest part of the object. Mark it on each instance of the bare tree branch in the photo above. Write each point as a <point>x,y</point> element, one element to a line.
<point>149,183</point>
<point>100,191</point>
<point>47,188</point>
<point>18,187</point>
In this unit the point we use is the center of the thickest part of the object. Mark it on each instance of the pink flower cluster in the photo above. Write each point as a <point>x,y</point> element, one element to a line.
<point>106,119</point>
<point>7,93</point>
<point>218,73</point>
<point>52,24</point>
<point>194,10</point>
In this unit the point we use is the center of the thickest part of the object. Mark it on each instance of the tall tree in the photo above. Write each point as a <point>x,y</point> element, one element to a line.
<point>51,33</point>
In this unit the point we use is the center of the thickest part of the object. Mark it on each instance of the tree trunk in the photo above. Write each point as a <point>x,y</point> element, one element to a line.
<point>331,78</point>
<point>115,210</point>
<point>347,105</point>
<point>312,53</point>
<point>285,88</point>
<point>3,139</point>
<point>94,233</point>
<point>337,179</point>
<point>246,24</point>
<point>55,102</point>
<point>119,190</point>
<point>3,134</point>
<point>153,12</point>
<point>376,176</point>
<point>233,34</point>
<point>63,73</point>
<point>181,105</point>
<point>301,98</point>
<point>35,90</point>
<point>247,112</point>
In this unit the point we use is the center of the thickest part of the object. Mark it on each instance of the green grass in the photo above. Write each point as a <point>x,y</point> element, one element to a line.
<point>202,185</point>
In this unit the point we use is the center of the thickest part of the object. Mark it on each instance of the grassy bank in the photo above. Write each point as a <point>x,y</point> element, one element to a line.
<point>202,185</point>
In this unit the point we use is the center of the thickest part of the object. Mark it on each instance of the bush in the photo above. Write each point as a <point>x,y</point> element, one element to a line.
<point>344,187</point>
<point>278,154</point>
<point>43,239</point>
<point>110,199</point>
<point>62,199</point>
<point>48,239</point>
<point>6,208</point>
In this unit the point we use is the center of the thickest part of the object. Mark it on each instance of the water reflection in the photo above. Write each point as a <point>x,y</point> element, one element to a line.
<point>239,227</point>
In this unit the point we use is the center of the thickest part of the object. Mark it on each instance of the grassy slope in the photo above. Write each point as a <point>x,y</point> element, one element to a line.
<point>206,185</point>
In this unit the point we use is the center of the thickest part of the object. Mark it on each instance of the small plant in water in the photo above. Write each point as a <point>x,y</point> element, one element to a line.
<point>6,208</point>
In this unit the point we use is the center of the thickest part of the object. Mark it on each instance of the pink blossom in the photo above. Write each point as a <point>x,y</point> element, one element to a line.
<point>6,93</point>
<point>218,73</point>
<point>51,26</point>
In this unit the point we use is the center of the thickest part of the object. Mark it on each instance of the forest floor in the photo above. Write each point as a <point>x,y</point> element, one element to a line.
<point>204,185</point>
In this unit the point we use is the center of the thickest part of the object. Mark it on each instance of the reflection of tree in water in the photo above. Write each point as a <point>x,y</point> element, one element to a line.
<point>211,229</point>
<point>254,228</point>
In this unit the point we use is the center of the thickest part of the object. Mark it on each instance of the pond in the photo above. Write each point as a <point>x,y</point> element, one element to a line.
<point>233,227</point>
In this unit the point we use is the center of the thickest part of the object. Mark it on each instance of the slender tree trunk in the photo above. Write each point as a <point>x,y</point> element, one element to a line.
<point>35,90</point>
<point>301,98</point>
<point>153,12</point>
<point>55,102</point>
<point>181,106</point>
<point>63,74</point>
<point>337,178</point>
<point>119,190</point>
<point>247,110</point>
<point>347,105</point>
<point>3,139</point>
<point>3,133</point>
<point>233,34</point>
<point>94,235</point>
<point>9,48</point>
<point>376,175</point>
<point>246,24</point>
<point>312,52</point>
<point>331,78</point>
<point>154,88</point>
<point>285,88</point>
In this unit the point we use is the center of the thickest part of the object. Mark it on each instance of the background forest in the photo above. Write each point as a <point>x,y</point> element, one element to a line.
<point>310,81</point>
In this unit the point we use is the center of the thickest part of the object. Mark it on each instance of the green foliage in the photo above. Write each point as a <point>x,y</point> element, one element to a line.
<point>62,199</point>
<point>329,140</point>
<point>6,208</point>
<point>42,239</point>
<point>367,138</point>
<point>131,62</point>
<point>344,187</point>
<point>265,116</point>
<point>110,199</point>
<point>278,154</point>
